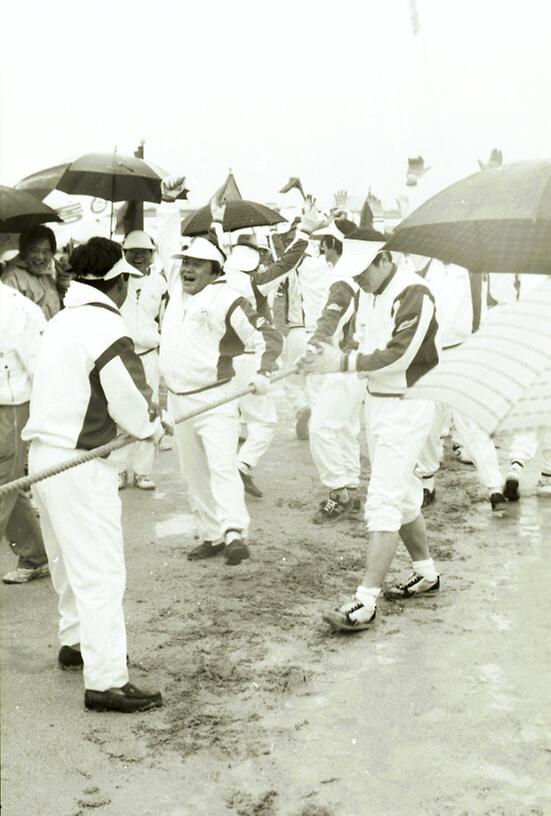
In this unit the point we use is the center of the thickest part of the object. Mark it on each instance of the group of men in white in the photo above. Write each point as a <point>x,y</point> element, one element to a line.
<point>363,325</point>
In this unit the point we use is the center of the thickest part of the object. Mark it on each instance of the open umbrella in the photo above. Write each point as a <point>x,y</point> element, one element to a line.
<point>495,221</point>
<point>110,176</point>
<point>19,211</point>
<point>501,376</point>
<point>238,215</point>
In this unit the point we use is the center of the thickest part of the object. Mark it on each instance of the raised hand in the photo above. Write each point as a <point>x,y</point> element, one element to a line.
<point>495,160</point>
<point>172,186</point>
<point>416,170</point>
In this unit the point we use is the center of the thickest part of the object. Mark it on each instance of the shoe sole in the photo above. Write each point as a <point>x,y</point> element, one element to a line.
<point>392,595</point>
<point>511,491</point>
<point>63,667</point>
<point>139,707</point>
<point>340,623</point>
<point>27,580</point>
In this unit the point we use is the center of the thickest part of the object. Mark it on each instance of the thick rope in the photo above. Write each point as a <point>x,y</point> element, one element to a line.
<point>120,442</point>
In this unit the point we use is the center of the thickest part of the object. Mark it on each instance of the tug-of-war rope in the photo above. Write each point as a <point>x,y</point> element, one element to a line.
<point>121,441</point>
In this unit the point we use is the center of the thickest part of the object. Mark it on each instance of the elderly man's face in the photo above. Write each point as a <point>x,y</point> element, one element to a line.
<point>195,274</point>
<point>139,258</point>
<point>38,257</point>
<point>373,277</point>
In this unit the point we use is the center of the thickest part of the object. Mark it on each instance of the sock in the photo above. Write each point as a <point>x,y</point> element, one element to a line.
<point>428,482</point>
<point>231,535</point>
<point>516,467</point>
<point>368,595</point>
<point>426,569</point>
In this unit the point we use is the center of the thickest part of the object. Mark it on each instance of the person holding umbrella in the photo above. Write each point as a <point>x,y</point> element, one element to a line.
<point>34,273</point>
<point>76,407</point>
<point>398,348</point>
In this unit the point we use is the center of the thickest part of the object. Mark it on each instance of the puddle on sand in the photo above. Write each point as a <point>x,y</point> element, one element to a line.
<point>180,524</point>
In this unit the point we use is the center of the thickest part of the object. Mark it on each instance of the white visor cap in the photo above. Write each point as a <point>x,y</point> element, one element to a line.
<point>137,239</point>
<point>356,256</point>
<point>244,258</point>
<point>203,250</point>
<point>122,267</point>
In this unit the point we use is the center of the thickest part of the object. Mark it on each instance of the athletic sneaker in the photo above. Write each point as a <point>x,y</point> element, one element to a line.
<point>235,552</point>
<point>414,585</point>
<point>511,491</point>
<point>543,487</point>
<point>302,426</point>
<point>22,575</point>
<point>333,508</point>
<point>351,617</point>
<point>144,482</point>
<point>123,479</point>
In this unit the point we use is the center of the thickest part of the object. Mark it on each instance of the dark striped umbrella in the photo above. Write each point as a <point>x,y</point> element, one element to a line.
<point>498,220</point>
<point>19,211</point>
<point>238,215</point>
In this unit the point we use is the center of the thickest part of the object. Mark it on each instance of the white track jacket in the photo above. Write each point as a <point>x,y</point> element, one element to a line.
<point>88,378</point>
<point>202,333</point>
<point>21,326</point>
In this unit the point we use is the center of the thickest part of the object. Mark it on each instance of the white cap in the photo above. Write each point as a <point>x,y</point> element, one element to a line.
<point>137,239</point>
<point>122,267</point>
<point>356,256</point>
<point>330,229</point>
<point>203,250</point>
<point>243,257</point>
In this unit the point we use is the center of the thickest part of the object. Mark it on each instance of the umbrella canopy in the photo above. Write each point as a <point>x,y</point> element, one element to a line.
<point>501,376</point>
<point>498,220</point>
<point>110,176</point>
<point>238,215</point>
<point>19,211</point>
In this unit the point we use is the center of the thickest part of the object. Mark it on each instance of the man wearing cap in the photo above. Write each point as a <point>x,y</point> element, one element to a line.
<point>399,346</point>
<point>141,313</point>
<point>336,406</point>
<point>206,325</point>
<point>247,275</point>
<point>76,407</point>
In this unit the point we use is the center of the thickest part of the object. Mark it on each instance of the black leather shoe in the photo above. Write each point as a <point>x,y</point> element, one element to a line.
<point>70,659</point>
<point>250,486</point>
<point>126,699</point>
<point>236,552</point>
<point>204,550</point>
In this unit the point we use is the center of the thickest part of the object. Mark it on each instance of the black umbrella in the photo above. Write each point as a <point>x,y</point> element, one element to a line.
<point>110,176</point>
<point>19,211</point>
<point>237,215</point>
<point>495,221</point>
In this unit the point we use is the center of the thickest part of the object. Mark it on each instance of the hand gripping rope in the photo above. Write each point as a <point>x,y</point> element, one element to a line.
<point>104,450</point>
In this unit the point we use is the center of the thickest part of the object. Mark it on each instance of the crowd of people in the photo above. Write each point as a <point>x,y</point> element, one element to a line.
<point>86,343</point>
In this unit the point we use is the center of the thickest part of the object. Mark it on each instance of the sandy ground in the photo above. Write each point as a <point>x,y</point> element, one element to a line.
<point>442,709</point>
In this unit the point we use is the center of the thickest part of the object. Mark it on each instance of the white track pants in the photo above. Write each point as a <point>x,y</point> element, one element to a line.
<point>80,517</point>
<point>524,447</point>
<point>396,432</point>
<point>258,412</point>
<point>207,450</point>
<point>335,430</point>
<point>477,444</point>
<point>294,386</point>
<point>140,456</point>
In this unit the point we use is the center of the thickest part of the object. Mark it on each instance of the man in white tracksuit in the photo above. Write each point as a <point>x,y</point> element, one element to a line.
<point>88,380</point>
<point>206,325</point>
<point>141,314</point>
<point>244,274</point>
<point>460,304</point>
<point>22,323</point>
<point>399,347</point>
<point>336,409</point>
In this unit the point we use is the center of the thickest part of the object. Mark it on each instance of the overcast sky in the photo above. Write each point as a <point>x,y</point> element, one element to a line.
<point>338,93</point>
